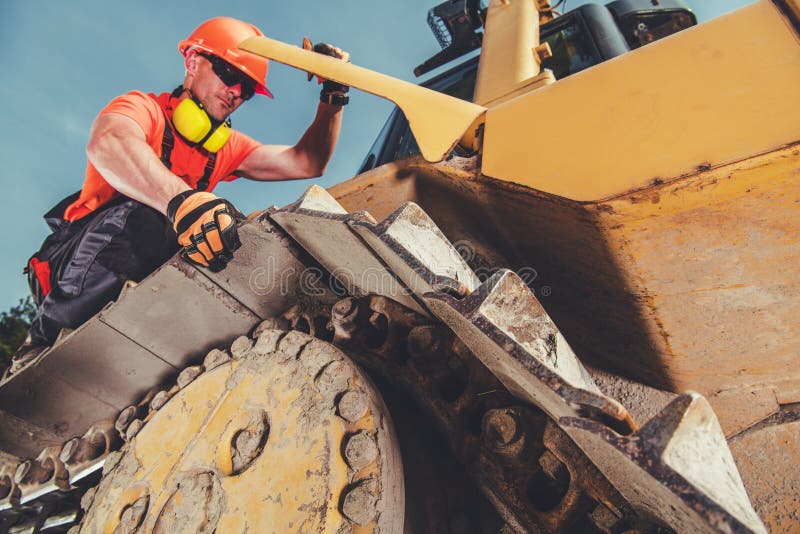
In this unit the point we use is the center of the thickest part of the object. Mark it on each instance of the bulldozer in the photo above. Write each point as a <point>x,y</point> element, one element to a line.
<point>559,296</point>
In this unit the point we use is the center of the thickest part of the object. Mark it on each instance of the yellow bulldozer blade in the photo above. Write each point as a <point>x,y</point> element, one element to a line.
<point>438,121</point>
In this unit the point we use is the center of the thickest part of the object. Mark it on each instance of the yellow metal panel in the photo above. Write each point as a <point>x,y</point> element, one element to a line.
<point>438,121</point>
<point>710,95</point>
<point>713,259</point>
<point>507,58</point>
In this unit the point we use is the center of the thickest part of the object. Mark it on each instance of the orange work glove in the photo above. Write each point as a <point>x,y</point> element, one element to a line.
<point>206,228</point>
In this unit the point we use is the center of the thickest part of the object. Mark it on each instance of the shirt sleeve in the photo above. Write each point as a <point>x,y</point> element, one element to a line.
<point>238,147</point>
<point>142,109</point>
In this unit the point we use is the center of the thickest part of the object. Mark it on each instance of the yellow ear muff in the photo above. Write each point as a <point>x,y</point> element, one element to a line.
<point>194,124</point>
<point>191,121</point>
<point>218,137</point>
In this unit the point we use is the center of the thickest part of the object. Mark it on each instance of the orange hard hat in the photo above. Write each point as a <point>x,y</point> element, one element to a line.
<point>221,36</point>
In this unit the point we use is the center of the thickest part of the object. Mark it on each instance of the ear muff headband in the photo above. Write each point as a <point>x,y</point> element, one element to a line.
<point>194,124</point>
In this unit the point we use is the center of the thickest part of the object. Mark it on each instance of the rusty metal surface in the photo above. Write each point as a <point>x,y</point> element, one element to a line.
<point>721,305</point>
<point>677,467</point>
<point>505,326</point>
<point>642,401</point>
<point>177,313</point>
<point>90,375</point>
<point>322,227</point>
<point>681,285</point>
<point>414,248</point>
<point>564,252</point>
<point>498,322</point>
<point>507,329</point>
<point>761,403</point>
<point>267,275</point>
<point>532,472</point>
<point>767,457</point>
<point>286,433</point>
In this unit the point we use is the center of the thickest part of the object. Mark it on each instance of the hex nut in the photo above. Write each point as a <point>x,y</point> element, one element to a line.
<point>241,347</point>
<point>360,450</point>
<point>359,504</point>
<point>188,375</point>
<point>352,405</point>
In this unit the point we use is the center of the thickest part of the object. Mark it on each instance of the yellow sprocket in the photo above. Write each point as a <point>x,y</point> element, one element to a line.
<point>280,434</point>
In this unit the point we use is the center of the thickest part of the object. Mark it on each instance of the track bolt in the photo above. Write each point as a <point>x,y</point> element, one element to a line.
<point>159,400</point>
<point>554,468</point>
<point>345,308</point>
<point>360,450</point>
<point>124,419</point>
<point>22,472</point>
<point>188,375</point>
<point>214,359</point>
<point>7,484</point>
<point>96,441</point>
<point>359,504</point>
<point>70,450</point>
<point>343,320</point>
<point>352,406</point>
<point>133,429</point>
<point>502,431</point>
<point>240,347</point>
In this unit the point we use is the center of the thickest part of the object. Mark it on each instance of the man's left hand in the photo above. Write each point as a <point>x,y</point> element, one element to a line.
<point>329,86</point>
<point>333,51</point>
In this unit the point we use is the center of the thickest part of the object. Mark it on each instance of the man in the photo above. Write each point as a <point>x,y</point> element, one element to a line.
<point>153,162</point>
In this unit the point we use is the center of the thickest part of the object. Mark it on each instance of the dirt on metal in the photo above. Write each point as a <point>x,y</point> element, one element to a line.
<point>286,432</point>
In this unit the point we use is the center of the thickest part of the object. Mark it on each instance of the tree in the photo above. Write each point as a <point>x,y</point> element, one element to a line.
<point>14,325</point>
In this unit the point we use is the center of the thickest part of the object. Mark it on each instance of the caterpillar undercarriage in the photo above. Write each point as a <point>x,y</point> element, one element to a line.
<point>279,418</point>
<point>396,354</point>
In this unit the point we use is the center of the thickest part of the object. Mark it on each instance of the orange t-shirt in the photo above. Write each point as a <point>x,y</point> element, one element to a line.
<point>188,162</point>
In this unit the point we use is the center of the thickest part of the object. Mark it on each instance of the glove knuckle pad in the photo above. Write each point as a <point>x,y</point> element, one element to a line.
<point>206,227</point>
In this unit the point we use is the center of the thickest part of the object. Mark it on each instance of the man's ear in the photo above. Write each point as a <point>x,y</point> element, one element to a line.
<point>190,61</point>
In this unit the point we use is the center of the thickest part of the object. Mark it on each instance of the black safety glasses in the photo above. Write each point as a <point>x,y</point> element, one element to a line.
<point>230,75</point>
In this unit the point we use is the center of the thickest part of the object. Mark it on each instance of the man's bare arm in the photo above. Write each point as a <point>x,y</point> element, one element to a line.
<point>120,153</point>
<point>307,159</point>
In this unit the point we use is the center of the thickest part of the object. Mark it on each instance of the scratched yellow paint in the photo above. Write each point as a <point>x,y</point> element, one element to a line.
<point>714,257</point>
<point>290,485</point>
<point>178,424</point>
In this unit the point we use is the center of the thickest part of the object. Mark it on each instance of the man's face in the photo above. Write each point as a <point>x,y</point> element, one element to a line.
<point>218,98</point>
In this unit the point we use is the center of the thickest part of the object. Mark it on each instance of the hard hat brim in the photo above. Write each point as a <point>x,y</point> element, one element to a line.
<point>260,89</point>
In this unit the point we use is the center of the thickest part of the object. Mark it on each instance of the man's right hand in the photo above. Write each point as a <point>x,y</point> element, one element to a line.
<point>206,228</point>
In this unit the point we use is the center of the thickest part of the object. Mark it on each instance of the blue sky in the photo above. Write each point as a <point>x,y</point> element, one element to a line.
<point>61,62</point>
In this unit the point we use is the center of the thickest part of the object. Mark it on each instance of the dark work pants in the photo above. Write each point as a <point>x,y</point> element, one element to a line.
<point>124,241</point>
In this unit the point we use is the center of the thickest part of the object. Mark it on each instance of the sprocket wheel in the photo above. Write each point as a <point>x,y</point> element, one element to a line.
<point>282,435</point>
